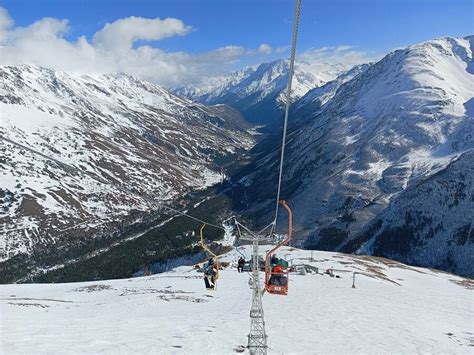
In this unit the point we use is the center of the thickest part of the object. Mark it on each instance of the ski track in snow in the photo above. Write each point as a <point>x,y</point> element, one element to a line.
<point>173,313</point>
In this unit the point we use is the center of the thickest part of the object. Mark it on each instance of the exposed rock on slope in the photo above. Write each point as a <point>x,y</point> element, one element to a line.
<point>431,223</point>
<point>258,93</point>
<point>389,129</point>
<point>126,131</point>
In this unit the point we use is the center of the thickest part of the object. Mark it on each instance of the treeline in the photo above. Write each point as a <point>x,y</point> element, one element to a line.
<point>174,239</point>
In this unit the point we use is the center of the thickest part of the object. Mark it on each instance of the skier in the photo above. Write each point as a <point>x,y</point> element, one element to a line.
<point>210,273</point>
<point>240,264</point>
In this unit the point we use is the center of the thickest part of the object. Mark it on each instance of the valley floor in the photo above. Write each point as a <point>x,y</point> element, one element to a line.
<point>394,309</point>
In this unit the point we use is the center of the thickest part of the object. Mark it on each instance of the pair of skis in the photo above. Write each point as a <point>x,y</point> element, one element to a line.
<point>209,284</point>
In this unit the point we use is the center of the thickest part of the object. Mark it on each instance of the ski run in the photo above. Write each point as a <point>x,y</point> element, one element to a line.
<point>394,308</point>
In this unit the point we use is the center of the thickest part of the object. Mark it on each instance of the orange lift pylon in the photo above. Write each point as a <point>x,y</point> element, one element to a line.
<point>276,275</point>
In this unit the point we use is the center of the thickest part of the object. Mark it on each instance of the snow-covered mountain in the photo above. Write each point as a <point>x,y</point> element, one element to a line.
<point>431,223</point>
<point>258,92</point>
<point>393,308</point>
<point>322,94</point>
<point>121,132</point>
<point>394,143</point>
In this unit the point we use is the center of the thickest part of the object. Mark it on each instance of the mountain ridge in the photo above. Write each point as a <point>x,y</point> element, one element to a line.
<point>258,92</point>
<point>131,133</point>
<point>395,123</point>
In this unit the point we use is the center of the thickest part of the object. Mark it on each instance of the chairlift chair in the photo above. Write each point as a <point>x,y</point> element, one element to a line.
<point>213,255</point>
<point>277,273</point>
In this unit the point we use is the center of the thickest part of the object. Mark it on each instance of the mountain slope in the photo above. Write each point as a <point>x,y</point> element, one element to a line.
<point>394,125</point>
<point>393,308</point>
<point>431,223</point>
<point>258,93</point>
<point>125,135</point>
<point>322,94</point>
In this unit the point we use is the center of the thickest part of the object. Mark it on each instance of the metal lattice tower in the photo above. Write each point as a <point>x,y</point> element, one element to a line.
<point>257,338</point>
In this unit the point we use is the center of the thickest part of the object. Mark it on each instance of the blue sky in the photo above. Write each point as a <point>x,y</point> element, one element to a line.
<point>372,27</point>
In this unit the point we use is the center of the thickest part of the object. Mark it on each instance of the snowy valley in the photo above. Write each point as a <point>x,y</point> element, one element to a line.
<point>379,161</point>
<point>82,156</point>
<point>194,180</point>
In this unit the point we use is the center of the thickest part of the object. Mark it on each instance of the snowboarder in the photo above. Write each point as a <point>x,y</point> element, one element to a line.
<point>240,264</point>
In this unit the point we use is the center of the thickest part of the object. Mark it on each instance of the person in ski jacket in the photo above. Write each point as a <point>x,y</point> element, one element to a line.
<point>240,264</point>
<point>274,260</point>
<point>210,272</point>
<point>277,278</point>
<point>210,267</point>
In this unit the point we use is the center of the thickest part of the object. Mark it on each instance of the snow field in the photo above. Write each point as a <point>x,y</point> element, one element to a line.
<point>404,310</point>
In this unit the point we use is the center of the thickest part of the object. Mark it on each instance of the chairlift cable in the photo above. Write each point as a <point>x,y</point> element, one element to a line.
<point>287,106</point>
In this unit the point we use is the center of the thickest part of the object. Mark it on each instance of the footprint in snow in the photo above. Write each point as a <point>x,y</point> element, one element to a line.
<point>240,348</point>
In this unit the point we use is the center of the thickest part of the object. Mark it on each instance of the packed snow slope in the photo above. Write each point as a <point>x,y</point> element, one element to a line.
<point>258,92</point>
<point>393,309</point>
<point>380,160</point>
<point>121,132</point>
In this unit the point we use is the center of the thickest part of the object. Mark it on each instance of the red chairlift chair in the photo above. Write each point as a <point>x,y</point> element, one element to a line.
<point>276,275</point>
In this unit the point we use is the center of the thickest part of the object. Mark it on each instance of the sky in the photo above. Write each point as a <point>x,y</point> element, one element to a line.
<point>175,42</point>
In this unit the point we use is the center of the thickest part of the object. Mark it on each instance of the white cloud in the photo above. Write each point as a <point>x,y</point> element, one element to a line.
<point>264,49</point>
<point>5,23</point>
<point>122,33</point>
<point>225,54</point>
<point>320,59</point>
<point>114,49</point>
<point>44,29</point>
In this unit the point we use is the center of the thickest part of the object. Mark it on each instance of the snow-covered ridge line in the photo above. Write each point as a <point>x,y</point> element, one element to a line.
<point>388,135</point>
<point>259,92</point>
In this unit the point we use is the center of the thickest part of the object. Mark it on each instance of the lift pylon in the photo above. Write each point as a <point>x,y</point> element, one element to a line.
<point>257,338</point>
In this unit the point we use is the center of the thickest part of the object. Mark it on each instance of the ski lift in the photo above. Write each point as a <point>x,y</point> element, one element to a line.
<point>276,269</point>
<point>211,270</point>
